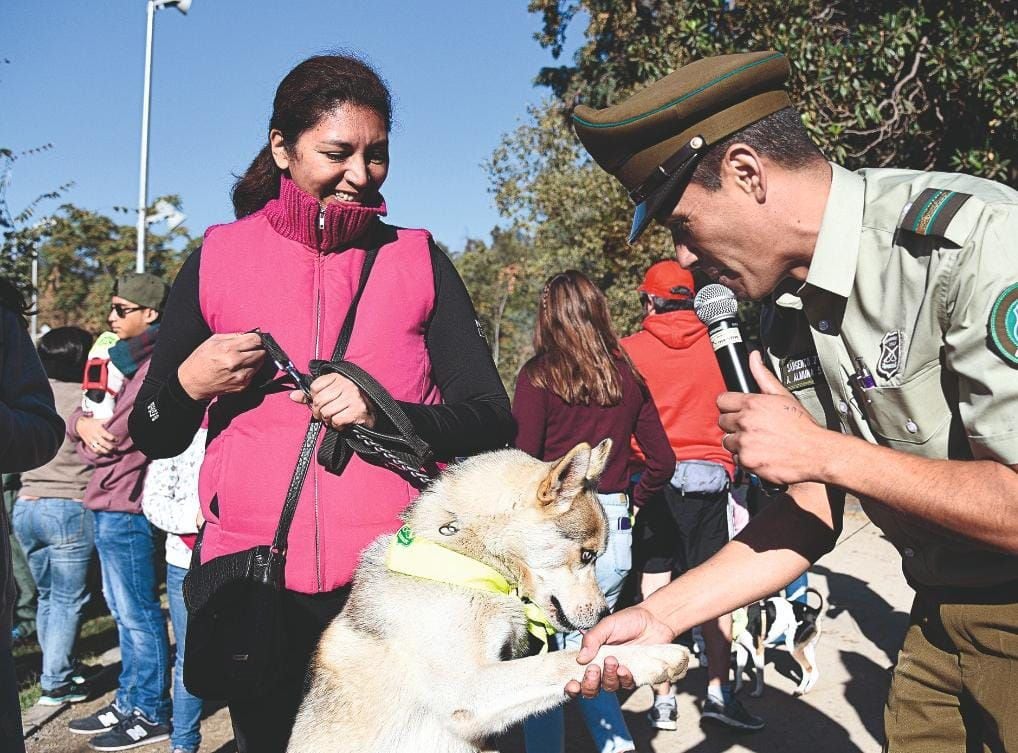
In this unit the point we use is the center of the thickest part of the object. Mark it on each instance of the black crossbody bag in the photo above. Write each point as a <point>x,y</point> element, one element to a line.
<point>236,640</point>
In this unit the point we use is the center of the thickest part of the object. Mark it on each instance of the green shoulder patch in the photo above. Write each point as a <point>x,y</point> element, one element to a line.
<point>1003,324</point>
<point>932,211</point>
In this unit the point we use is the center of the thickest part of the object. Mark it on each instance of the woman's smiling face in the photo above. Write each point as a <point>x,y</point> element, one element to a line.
<point>344,157</point>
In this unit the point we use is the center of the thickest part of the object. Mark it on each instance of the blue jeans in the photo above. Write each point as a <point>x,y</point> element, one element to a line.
<point>126,545</point>
<point>545,733</point>
<point>186,707</point>
<point>58,538</point>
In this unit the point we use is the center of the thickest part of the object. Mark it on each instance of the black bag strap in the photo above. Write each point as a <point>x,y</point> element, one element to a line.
<point>307,447</point>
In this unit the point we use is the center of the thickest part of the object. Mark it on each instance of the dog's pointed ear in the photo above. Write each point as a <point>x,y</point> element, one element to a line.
<point>567,476</point>
<point>598,460</point>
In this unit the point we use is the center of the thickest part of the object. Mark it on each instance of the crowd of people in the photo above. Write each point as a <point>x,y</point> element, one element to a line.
<point>205,438</point>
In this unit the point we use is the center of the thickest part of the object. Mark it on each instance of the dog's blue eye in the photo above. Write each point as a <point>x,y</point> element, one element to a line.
<point>587,556</point>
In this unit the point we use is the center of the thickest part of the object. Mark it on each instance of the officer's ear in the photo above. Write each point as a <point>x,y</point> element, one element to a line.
<point>743,168</point>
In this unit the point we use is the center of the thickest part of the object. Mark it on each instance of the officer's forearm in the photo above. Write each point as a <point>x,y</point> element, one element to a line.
<point>975,499</point>
<point>774,549</point>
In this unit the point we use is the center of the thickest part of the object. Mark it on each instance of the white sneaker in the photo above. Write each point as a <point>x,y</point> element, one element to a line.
<point>664,714</point>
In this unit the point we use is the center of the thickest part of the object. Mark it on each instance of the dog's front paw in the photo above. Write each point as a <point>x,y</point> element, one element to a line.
<point>650,665</point>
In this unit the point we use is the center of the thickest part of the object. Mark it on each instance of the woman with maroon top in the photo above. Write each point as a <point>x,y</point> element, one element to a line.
<point>580,386</point>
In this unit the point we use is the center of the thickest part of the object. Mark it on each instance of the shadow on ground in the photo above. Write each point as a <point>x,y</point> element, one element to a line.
<point>882,624</point>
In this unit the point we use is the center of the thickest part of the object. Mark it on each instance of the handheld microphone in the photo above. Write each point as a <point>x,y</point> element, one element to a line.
<point>716,306</point>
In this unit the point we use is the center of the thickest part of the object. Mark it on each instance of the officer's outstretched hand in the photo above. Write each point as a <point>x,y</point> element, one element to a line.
<point>632,625</point>
<point>771,433</point>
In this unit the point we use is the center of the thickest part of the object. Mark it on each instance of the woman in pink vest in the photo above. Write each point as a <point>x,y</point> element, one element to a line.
<point>308,209</point>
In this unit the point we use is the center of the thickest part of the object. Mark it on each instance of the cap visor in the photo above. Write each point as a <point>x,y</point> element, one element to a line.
<point>670,191</point>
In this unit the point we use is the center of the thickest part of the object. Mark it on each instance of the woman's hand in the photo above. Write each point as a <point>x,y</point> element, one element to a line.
<point>337,402</point>
<point>95,436</point>
<point>221,365</point>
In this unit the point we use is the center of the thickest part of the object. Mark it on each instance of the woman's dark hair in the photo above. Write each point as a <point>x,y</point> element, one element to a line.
<point>575,344</point>
<point>63,352</point>
<point>310,91</point>
<point>11,297</point>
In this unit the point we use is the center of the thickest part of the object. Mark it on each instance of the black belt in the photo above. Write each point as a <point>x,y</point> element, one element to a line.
<point>1003,593</point>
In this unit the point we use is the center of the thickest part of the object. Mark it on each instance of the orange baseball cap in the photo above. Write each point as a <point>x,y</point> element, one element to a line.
<point>668,280</point>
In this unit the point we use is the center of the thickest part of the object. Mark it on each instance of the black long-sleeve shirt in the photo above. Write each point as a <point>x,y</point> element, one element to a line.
<point>473,417</point>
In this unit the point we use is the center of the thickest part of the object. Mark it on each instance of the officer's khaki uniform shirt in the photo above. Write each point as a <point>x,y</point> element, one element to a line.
<point>915,305</point>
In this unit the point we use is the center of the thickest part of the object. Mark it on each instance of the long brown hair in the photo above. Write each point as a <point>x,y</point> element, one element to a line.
<point>310,91</point>
<point>576,345</point>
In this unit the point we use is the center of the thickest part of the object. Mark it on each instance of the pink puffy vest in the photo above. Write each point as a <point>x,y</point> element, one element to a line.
<point>274,271</point>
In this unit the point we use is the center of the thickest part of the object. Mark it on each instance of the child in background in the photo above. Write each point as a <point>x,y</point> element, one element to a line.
<point>170,502</point>
<point>102,380</point>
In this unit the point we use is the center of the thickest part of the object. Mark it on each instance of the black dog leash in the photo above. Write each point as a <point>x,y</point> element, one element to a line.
<point>413,453</point>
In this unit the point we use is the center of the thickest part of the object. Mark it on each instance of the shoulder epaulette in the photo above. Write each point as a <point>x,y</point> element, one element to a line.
<point>932,211</point>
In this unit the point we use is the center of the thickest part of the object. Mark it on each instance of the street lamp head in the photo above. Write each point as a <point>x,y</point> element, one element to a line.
<point>181,5</point>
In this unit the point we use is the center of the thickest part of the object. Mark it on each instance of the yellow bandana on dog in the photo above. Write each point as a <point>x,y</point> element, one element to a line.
<point>426,559</point>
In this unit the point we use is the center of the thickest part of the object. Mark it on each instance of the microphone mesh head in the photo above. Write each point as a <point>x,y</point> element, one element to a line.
<point>714,302</point>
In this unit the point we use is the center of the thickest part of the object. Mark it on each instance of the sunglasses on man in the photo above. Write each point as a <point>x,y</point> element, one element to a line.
<point>121,310</point>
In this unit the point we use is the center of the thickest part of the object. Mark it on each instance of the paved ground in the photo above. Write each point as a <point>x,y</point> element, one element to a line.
<point>865,617</point>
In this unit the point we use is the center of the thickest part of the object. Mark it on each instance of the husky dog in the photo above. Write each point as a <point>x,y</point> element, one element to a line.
<point>415,663</point>
<point>768,621</point>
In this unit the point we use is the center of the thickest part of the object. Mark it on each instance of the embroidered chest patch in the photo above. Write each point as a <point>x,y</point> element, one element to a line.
<point>801,372</point>
<point>889,363</point>
<point>1003,325</point>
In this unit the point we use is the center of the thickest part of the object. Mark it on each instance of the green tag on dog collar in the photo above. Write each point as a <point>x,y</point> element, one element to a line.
<point>405,536</point>
<point>1003,324</point>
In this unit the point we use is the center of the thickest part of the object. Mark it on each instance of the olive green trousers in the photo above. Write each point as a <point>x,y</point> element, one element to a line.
<point>955,686</point>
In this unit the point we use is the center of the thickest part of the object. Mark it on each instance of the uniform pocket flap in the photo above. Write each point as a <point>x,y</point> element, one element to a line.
<point>913,412</point>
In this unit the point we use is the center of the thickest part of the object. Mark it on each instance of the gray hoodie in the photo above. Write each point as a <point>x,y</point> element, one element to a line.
<point>66,475</point>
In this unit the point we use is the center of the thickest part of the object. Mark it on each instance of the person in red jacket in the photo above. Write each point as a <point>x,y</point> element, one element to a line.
<point>687,523</point>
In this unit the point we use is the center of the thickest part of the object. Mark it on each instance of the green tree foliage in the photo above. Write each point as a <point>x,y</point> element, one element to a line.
<point>505,292</point>
<point>16,228</point>
<point>924,85</point>
<point>930,85</point>
<point>81,252</point>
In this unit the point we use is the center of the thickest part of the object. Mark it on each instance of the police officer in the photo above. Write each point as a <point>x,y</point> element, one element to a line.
<point>892,326</point>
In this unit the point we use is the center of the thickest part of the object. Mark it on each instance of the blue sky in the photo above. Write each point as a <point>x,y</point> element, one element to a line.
<point>461,72</point>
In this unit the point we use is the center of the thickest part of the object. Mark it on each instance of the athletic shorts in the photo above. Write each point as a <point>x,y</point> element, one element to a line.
<point>675,532</point>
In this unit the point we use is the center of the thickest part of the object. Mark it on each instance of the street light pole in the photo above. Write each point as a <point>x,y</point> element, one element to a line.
<point>153,6</point>
<point>35,295</point>
<point>143,176</point>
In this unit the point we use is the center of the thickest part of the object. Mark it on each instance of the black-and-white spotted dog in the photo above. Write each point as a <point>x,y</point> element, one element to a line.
<point>774,622</point>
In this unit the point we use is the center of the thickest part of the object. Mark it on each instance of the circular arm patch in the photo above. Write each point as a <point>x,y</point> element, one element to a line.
<point>1003,324</point>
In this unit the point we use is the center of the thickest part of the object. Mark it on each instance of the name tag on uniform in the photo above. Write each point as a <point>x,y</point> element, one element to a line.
<point>800,372</point>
